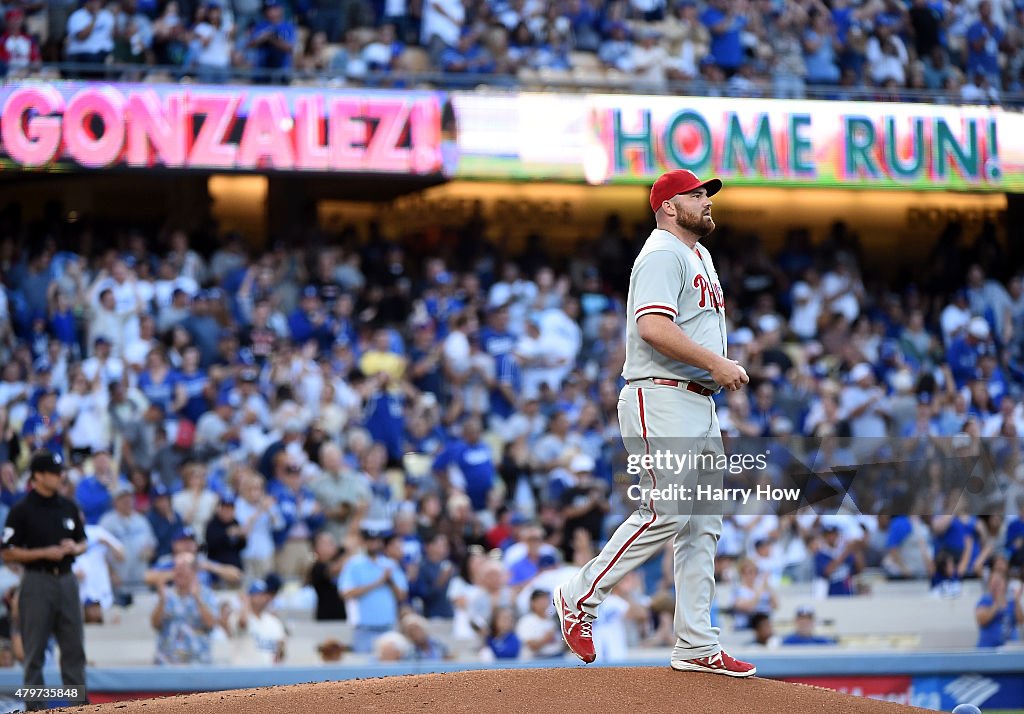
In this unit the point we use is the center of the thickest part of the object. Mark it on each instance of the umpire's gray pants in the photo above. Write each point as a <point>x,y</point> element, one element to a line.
<point>652,419</point>
<point>48,604</point>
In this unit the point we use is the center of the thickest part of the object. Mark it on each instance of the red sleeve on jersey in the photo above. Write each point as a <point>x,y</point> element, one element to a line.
<point>4,57</point>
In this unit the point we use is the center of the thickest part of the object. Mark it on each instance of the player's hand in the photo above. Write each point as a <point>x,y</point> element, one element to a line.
<point>746,377</point>
<point>730,374</point>
<point>54,552</point>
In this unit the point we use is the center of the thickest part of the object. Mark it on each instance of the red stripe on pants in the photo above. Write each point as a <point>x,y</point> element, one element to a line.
<point>654,513</point>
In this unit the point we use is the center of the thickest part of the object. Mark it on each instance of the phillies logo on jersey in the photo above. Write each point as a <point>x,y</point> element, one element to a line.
<point>710,293</point>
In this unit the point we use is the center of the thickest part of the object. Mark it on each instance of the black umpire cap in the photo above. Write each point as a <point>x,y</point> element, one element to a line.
<point>44,461</point>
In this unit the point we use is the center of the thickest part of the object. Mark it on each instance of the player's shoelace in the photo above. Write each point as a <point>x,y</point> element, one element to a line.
<point>578,620</point>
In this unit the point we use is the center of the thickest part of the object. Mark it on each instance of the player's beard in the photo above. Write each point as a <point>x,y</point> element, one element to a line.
<point>700,225</point>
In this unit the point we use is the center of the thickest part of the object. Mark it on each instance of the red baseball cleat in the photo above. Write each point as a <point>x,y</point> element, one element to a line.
<point>576,628</point>
<point>720,663</point>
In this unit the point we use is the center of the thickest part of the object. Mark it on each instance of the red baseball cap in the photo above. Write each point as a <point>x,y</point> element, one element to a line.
<point>13,13</point>
<point>671,183</point>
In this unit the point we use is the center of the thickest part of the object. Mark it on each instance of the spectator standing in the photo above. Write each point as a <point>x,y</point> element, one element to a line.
<point>133,35</point>
<point>787,60</point>
<point>184,616</point>
<point>93,571</point>
<point>302,516</point>
<point>726,26</point>
<point>90,33</point>
<point>372,585</point>
<point>927,19</point>
<point>84,409</point>
<point>650,60</point>
<point>103,365</point>
<point>159,381</point>
<point>192,385</point>
<point>985,39</point>
<point>215,40</point>
<point>94,492</point>
<point>44,429</point>
<point>908,549</point>
<point>442,24</point>
<point>323,577</point>
<point>584,504</point>
<point>433,576</point>
<point>965,352</point>
<point>225,538</point>
<point>163,520</point>
<point>169,35</point>
<point>273,39</point>
<point>195,502</point>
<point>864,405</point>
<point>343,497</point>
<point>473,460</point>
<point>18,50</point>
<point>834,562</point>
<point>260,518</point>
<point>135,534</point>
<point>820,50</point>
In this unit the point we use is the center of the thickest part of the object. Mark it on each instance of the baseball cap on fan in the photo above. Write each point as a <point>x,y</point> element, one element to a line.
<point>672,183</point>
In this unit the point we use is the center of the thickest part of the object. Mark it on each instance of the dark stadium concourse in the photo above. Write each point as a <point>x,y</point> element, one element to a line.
<point>259,206</point>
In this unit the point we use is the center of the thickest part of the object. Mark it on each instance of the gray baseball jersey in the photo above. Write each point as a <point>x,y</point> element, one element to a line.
<point>670,278</point>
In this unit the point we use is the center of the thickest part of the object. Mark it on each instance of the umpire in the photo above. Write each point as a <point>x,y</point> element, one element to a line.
<point>44,532</point>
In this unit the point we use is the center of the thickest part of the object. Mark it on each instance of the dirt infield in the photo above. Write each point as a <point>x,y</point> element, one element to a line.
<point>639,690</point>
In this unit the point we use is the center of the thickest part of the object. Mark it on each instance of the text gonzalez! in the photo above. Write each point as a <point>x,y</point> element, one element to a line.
<point>142,129</point>
<point>637,464</point>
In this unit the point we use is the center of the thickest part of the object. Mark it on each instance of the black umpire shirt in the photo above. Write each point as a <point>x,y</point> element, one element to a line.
<point>37,522</point>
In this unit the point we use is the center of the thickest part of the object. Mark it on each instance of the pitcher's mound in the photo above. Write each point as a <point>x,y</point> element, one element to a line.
<point>594,690</point>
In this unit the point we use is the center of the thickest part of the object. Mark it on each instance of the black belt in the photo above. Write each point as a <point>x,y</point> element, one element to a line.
<point>684,384</point>
<point>48,569</point>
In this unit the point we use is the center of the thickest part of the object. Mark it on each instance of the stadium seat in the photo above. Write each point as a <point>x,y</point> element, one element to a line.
<point>584,60</point>
<point>589,76</point>
<point>528,76</point>
<point>554,76</point>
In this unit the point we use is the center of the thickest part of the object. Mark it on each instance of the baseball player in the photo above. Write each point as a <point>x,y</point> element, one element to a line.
<point>675,361</point>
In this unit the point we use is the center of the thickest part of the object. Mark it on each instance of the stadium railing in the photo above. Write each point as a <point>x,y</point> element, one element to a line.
<point>563,81</point>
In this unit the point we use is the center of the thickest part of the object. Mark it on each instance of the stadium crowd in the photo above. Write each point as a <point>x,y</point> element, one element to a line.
<point>965,50</point>
<point>426,430</point>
